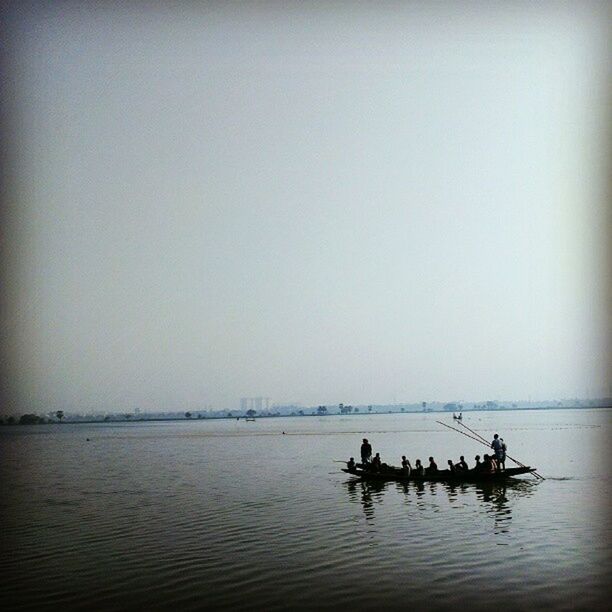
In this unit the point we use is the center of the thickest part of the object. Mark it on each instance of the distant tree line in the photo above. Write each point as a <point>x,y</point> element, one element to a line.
<point>293,410</point>
<point>31,419</point>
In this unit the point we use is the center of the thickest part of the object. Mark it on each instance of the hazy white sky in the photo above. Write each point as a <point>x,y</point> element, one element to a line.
<point>350,202</point>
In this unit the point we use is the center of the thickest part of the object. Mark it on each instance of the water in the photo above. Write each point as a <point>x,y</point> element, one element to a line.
<point>239,516</point>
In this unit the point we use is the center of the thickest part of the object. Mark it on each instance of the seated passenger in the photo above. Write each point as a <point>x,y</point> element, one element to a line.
<point>350,464</point>
<point>462,466</point>
<point>406,467</point>
<point>419,470</point>
<point>433,467</point>
<point>451,467</point>
<point>478,466</point>
<point>376,462</point>
<point>487,465</point>
<point>493,462</point>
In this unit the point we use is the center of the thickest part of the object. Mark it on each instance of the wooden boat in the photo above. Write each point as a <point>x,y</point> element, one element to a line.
<point>397,474</point>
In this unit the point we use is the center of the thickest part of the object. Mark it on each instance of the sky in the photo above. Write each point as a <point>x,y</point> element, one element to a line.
<point>312,202</point>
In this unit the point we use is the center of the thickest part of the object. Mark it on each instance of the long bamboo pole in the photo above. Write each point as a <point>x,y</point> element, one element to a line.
<point>475,433</point>
<point>462,433</point>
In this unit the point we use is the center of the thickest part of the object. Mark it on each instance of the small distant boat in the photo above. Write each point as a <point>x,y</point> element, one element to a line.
<point>458,418</point>
<point>250,419</point>
<point>397,474</point>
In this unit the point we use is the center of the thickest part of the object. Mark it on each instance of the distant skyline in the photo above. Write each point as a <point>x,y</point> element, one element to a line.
<point>316,203</point>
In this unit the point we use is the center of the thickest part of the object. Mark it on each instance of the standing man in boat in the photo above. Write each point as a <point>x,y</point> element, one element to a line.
<point>366,451</point>
<point>499,446</point>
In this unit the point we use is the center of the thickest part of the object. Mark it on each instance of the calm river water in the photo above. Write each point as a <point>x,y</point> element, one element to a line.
<point>230,515</point>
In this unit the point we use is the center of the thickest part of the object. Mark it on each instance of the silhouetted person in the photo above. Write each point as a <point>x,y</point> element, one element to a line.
<point>419,470</point>
<point>406,467</point>
<point>499,446</point>
<point>488,467</point>
<point>366,451</point>
<point>494,463</point>
<point>478,466</point>
<point>462,465</point>
<point>433,467</point>
<point>376,462</point>
<point>451,467</point>
<point>350,464</point>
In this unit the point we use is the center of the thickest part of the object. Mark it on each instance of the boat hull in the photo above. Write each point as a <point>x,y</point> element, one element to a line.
<point>395,474</point>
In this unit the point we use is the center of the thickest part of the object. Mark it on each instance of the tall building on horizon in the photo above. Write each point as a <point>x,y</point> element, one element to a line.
<point>254,403</point>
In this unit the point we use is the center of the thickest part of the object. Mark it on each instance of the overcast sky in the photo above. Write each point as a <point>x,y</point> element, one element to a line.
<point>350,202</point>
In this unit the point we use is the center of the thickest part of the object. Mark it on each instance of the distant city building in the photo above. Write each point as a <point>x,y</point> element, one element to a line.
<point>254,403</point>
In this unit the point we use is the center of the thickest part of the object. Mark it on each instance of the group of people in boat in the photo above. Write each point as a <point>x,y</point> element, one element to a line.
<point>489,465</point>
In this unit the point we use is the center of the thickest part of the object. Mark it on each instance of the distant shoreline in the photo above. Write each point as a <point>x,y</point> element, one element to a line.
<point>296,416</point>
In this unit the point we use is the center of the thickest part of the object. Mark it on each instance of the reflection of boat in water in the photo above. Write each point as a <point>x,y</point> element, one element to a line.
<point>497,497</point>
<point>485,490</point>
<point>398,475</point>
